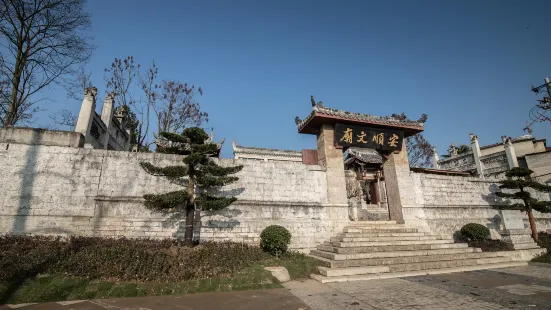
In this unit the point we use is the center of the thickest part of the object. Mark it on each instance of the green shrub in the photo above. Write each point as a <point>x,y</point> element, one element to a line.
<point>474,231</point>
<point>544,240</point>
<point>542,258</point>
<point>274,239</point>
<point>142,260</point>
<point>491,245</point>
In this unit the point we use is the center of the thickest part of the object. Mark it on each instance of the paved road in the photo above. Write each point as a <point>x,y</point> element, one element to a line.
<point>511,288</point>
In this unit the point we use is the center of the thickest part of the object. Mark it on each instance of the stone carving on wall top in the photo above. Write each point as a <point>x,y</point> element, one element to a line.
<point>461,162</point>
<point>452,150</point>
<point>495,163</point>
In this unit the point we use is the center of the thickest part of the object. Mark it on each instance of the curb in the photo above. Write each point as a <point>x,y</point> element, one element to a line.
<point>545,265</point>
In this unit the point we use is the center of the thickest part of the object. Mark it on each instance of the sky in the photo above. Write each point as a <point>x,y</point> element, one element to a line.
<point>469,65</point>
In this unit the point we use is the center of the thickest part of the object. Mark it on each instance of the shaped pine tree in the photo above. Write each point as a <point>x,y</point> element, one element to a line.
<point>200,171</point>
<point>519,179</point>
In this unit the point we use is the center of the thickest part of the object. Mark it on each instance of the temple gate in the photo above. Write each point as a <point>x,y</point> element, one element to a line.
<point>365,160</point>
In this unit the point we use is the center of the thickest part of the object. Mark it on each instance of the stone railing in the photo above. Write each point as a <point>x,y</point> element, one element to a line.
<point>97,132</point>
<point>494,164</point>
<point>461,162</point>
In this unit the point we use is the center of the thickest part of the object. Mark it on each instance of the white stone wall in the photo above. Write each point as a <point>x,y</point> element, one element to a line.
<point>540,163</point>
<point>63,190</point>
<point>445,203</point>
<point>68,190</point>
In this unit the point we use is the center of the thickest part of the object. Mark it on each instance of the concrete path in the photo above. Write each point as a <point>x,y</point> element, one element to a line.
<point>527,287</point>
<point>274,299</point>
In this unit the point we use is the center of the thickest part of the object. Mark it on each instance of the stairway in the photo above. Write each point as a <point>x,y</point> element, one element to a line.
<point>383,249</point>
<point>372,213</point>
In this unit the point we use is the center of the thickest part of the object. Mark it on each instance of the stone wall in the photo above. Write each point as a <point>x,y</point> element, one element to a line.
<point>540,163</point>
<point>445,203</point>
<point>37,136</point>
<point>52,189</point>
<point>69,190</point>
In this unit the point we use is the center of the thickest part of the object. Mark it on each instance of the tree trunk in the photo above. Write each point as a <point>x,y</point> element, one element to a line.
<point>532,225</point>
<point>190,210</point>
<point>188,234</point>
<point>12,104</point>
<point>15,83</point>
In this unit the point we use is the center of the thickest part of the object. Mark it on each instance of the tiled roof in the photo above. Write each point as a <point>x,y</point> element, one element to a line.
<point>455,157</point>
<point>365,155</point>
<point>237,149</point>
<point>162,142</point>
<point>383,120</point>
<point>519,139</point>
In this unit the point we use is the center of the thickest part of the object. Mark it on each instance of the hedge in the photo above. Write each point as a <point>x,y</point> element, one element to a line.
<point>474,232</point>
<point>141,260</point>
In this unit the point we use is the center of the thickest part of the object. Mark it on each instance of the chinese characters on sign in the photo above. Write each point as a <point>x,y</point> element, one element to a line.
<point>371,137</point>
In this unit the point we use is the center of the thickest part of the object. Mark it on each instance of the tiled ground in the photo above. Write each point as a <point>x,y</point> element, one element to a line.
<point>511,288</point>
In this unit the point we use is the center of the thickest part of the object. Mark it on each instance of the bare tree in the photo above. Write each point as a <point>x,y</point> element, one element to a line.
<point>120,81</point>
<point>419,151</point>
<point>46,43</point>
<point>78,85</point>
<point>4,90</point>
<point>418,148</point>
<point>173,103</point>
<point>123,79</point>
<point>149,87</point>
<point>120,78</point>
<point>64,119</point>
<point>177,107</point>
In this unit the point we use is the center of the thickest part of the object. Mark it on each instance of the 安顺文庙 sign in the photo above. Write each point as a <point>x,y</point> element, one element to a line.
<point>371,137</point>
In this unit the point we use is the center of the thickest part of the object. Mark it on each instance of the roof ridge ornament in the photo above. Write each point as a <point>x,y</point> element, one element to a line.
<point>310,124</point>
<point>314,104</point>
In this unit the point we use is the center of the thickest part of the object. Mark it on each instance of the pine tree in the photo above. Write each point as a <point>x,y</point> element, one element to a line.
<point>519,179</point>
<point>199,170</point>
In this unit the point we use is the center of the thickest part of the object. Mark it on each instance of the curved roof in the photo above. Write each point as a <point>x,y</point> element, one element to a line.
<point>366,155</point>
<point>322,115</point>
<point>237,149</point>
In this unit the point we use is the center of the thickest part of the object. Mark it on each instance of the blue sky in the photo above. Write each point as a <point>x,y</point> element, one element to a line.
<point>467,64</point>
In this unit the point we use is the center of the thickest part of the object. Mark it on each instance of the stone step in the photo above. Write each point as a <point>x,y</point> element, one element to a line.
<point>384,234</point>
<point>449,264</point>
<point>351,271</point>
<point>388,275</point>
<point>335,272</point>
<point>524,246</point>
<point>380,243</point>
<point>366,215</point>
<point>336,256</point>
<point>369,223</point>
<point>364,212</point>
<point>389,248</point>
<point>377,239</point>
<point>380,230</point>
<point>376,209</point>
<point>376,227</point>
<point>405,259</point>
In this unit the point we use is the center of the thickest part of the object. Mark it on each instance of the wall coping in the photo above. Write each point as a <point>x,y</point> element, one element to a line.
<point>139,199</point>
<point>38,136</point>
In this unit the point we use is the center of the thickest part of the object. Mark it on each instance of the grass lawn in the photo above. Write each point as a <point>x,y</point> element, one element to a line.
<point>48,288</point>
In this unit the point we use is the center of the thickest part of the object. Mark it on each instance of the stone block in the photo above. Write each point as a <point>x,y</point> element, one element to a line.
<point>512,219</point>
